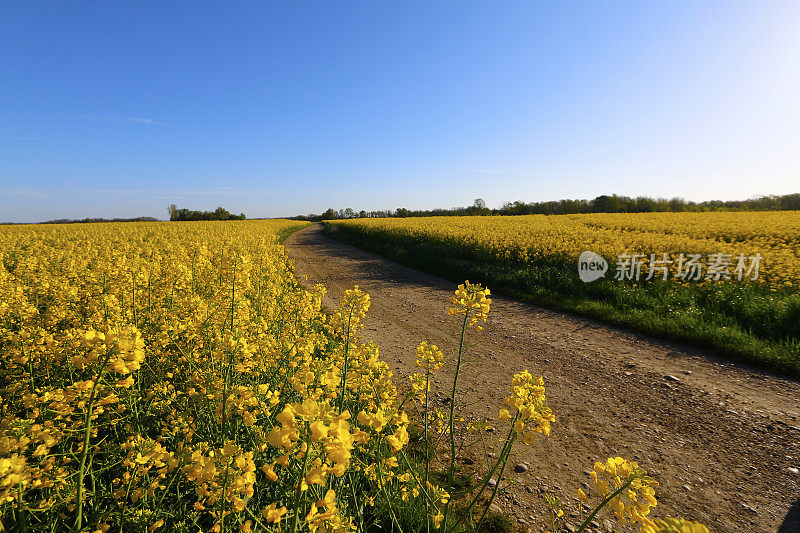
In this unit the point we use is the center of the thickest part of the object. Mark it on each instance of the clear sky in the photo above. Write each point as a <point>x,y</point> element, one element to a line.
<point>117,109</point>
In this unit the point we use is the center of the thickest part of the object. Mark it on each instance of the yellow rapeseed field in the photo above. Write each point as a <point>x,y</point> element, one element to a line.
<point>155,373</point>
<point>561,238</point>
<point>176,377</point>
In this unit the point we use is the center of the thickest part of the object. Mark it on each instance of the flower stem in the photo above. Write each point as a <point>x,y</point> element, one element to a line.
<point>602,504</point>
<point>298,491</point>
<point>427,447</point>
<point>85,451</point>
<point>451,470</point>
<point>346,353</point>
<point>509,442</point>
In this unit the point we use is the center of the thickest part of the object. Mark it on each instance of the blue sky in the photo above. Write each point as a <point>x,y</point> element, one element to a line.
<point>279,108</point>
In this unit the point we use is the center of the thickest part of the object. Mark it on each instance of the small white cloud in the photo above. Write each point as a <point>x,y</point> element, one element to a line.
<point>493,171</point>
<point>30,192</point>
<point>99,118</point>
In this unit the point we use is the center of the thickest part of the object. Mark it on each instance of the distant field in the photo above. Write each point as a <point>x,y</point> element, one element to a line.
<point>732,279</point>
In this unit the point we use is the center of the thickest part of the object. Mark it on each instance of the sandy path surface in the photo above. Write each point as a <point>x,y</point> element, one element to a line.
<point>721,438</point>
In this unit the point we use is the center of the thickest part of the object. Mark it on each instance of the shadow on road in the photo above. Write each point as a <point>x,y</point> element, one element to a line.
<point>791,522</point>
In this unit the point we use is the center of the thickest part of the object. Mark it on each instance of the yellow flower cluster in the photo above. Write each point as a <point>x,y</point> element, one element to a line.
<point>532,413</point>
<point>330,519</point>
<point>352,310</point>
<point>629,492</point>
<point>226,474</point>
<point>315,432</point>
<point>429,357</point>
<point>121,352</point>
<point>634,489</point>
<point>559,239</point>
<point>674,525</point>
<point>472,301</point>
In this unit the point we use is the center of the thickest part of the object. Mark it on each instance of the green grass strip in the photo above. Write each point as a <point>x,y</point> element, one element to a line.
<point>285,232</point>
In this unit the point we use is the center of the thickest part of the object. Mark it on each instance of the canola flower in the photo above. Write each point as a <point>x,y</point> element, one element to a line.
<point>626,489</point>
<point>428,357</point>
<point>532,416</point>
<point>674,525</point>
<point>473,302</point>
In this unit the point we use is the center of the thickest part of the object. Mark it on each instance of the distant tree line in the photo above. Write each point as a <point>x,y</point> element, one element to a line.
<point>183,215</point>
<point>602,204</point>
<point>643,204</point>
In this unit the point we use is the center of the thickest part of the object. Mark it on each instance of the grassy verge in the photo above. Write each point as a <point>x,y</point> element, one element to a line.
<point>742,323</point>
<point>284,233</point>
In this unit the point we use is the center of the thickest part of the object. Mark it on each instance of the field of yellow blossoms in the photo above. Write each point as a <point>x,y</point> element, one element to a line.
<point>536,239</point>
<point>176,377</point>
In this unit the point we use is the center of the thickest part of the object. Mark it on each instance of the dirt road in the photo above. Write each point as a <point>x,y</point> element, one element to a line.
<point>722,439</point>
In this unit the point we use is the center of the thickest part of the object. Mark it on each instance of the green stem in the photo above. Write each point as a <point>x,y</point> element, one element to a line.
<point>509,442</point>
<point>233,294</point>
<point>105,305</point>
<point>30,367</point>
<point>427,448</point>
<point>503,462</point>
<point>85,451</point>
<point>255,518</point>
<point>149,296</point>
<point>20,504</point>
<point>451,470</point>
<point>225,397</point>
<point>125,501</point>
<point>603,504</point>
<point>395,522</point>
<point>346,353</point>
<point>298,491</point>
<point>227,370</point>
<point>133,301</point>
<point>224,488</point>
<point>410,469</point>
<point>166,489</point>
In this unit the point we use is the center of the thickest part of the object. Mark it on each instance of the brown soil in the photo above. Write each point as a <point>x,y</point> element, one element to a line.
<point>720,439</point>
